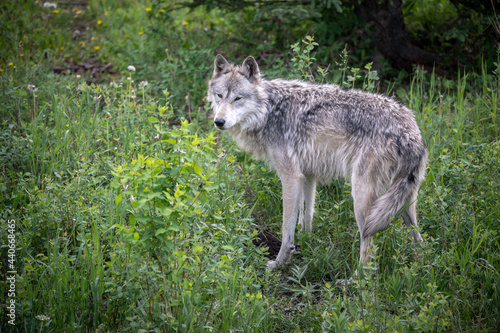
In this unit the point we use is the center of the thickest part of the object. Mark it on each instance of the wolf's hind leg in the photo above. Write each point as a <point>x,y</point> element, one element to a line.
<point>363,193</point>
<point>410,218</point>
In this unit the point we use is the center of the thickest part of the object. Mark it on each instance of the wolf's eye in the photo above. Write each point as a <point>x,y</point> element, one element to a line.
<point>219,95</point>
<point>237,98</point>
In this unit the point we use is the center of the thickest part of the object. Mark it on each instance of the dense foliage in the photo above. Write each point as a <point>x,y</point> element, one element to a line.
<point>133,214</point>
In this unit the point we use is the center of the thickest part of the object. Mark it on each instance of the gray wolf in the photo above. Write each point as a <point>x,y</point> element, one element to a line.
<point>312,133</point>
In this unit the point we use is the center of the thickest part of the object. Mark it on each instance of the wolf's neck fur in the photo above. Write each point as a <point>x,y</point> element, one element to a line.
<point>251,140</point>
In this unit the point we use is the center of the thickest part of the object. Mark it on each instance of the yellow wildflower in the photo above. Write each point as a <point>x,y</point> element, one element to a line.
<point>97,48</point>
<point>148,9</point>
<point>55,11</point>
<point>82,43</point>
<point>106,14</point>
<point>99,22</point>
<point>141,33</point>
<point>184,23</point>
<point>11,63</point>
<point>161,11</point>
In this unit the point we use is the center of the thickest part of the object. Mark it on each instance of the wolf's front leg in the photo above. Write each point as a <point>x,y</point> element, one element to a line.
<point>308,195</point>
<point>292,189</point>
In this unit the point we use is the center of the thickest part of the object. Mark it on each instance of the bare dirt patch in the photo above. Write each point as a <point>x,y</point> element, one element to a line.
<point>266,239</point>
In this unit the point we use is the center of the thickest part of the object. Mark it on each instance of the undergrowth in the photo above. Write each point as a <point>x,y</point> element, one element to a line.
<point>132,214</point>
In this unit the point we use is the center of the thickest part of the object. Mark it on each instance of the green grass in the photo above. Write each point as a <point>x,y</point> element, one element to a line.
<point>131,218</point>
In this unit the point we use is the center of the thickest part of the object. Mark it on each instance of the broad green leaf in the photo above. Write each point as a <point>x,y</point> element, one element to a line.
<point>118,199</point>
<point>160,231</point>
<point>153,120</point>
<point>166,211</point>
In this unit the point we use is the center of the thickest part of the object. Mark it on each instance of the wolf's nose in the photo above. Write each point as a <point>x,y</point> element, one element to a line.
<point>219,122</point>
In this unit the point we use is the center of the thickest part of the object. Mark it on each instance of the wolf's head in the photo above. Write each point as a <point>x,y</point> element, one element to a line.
<point>234,92</point>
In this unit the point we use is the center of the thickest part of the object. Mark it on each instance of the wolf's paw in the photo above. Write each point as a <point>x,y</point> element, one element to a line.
<point>272,264</point>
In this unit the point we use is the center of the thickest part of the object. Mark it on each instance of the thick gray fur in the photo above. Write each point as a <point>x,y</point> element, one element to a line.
<point>312,133</point>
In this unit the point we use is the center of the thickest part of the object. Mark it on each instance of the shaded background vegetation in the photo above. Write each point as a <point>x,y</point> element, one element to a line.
<point>133,214</point>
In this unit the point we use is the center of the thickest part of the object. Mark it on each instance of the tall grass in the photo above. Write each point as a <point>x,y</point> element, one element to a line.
<point>131,218</point>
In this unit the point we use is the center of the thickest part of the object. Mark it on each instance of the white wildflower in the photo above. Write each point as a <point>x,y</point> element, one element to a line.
<point>143,83</point>
<point>50,5</point>
<point>32,87</point>
<point>131,68</point>
<point>43,318</point>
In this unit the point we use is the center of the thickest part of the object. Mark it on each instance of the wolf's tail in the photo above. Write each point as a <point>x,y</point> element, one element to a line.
<point>403,188</point>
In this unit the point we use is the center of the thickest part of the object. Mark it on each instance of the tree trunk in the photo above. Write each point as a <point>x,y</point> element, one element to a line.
<point>385,23</point>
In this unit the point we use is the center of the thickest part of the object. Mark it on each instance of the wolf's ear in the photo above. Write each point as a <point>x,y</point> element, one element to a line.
<point>221,66</point>
<point>250,70</point>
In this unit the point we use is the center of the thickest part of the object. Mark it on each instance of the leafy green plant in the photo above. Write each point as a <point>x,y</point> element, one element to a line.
<point>130,218</point>
<point>169,213</point>
<point>369,80</point>
<point>303,60</point>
